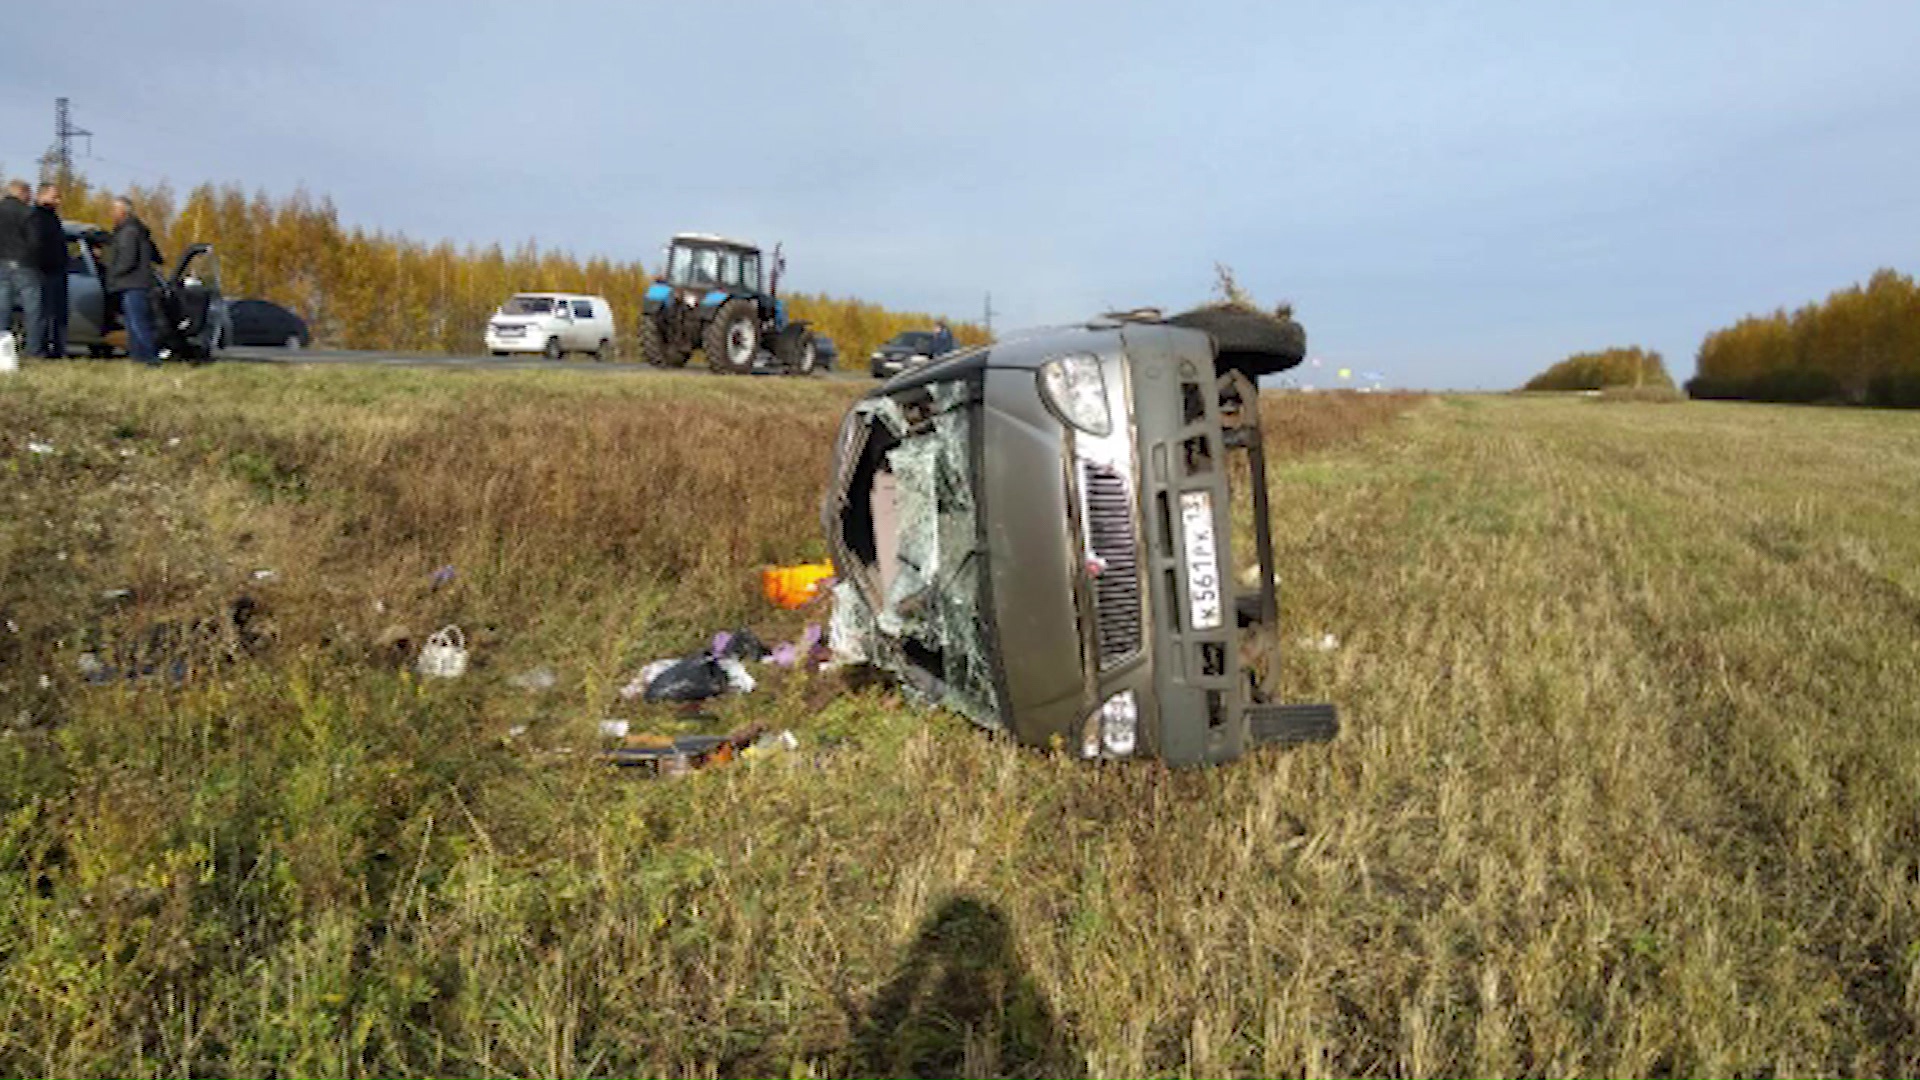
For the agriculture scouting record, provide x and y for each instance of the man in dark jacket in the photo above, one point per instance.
(19, 281)
(49, 244)
(130, 259)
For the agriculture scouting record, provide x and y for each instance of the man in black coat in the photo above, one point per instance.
(130, 279)
(48, 243)
(19, 281)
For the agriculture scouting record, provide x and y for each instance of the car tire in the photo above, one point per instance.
(732, 340)
(604, 351)
(294, 344)
(499, 352)
(100, 350)
(808, 361)
(1249, 341)
(553, 351)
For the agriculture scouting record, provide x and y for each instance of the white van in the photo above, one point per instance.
(552, 323)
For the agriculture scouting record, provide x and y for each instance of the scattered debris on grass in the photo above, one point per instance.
(670, 755)
(697, 677)
(795, 586)
(444, 656)
(534, 680)
(174, 649)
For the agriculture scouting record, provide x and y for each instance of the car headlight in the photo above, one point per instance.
(1114, 728)
(1077, 390)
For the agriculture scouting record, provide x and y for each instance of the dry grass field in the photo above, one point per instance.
(1629, 781)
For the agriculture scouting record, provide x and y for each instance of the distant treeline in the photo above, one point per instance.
(1629, 366)
(1859, 346)
(374, 290)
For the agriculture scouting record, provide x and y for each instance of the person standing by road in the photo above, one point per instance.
(130, 259)
(48, 240)
(19, 281)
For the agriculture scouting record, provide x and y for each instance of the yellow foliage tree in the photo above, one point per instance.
(371, 290)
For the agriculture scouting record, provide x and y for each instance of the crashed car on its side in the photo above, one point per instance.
(1036, 534)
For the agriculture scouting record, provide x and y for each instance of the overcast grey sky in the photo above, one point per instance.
(1454, 194)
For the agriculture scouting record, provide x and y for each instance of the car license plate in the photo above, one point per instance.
(1204, 597)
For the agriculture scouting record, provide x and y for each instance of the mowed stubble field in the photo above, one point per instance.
(1629, 781)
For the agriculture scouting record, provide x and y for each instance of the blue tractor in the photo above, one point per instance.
(713, 297)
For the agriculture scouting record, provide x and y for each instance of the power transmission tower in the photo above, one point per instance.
(56, 166)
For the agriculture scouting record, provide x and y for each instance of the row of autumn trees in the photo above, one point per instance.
(1861, 345)
(1629, 366)
(373, 290)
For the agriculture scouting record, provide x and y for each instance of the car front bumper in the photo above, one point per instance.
(497, 342)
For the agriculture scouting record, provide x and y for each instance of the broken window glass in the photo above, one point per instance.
(909, 515)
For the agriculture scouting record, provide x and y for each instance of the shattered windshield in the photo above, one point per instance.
(527, 305)
(911, 524)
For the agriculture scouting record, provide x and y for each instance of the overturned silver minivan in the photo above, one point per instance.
(1036, 534)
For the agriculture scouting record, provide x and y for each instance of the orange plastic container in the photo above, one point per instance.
(794, 586)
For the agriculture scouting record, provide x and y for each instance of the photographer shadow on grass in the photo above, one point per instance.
(961, 1004)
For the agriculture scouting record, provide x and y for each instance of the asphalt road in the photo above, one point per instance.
(486, 363)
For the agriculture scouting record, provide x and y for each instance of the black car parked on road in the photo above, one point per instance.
(263, 322)
(910, 348)
(825, 352)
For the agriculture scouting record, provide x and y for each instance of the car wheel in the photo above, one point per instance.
(809, 358)
(294, 344)
(604, 351)
(100, 350)
(553, 350)
(732, 341)
(499, 352)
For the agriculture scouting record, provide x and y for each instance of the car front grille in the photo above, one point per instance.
(1116, 590)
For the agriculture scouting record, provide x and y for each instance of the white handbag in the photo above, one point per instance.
(444, 656)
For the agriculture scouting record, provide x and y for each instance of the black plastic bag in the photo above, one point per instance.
(692, 678)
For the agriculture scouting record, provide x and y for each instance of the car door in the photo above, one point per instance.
(86, 299)
(563, 325)
(586, 328)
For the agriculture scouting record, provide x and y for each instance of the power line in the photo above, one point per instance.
(57, 164)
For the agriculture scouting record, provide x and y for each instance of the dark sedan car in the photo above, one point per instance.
(910, 348)
(262, 322)
(825, 352)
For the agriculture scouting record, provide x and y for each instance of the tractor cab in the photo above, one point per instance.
(697, 262)
(721, 297)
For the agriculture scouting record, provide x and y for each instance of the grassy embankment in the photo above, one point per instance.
(1630, 779)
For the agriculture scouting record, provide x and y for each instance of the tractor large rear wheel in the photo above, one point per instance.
(733, 338)
(654, 348)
